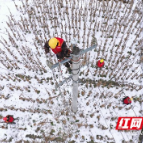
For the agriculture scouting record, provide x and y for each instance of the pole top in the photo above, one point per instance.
(75, 50)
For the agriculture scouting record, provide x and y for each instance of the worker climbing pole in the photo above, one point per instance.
(59, 47)
(71, 60)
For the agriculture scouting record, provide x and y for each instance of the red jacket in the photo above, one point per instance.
(11, 119)
(127, 100)
(100, 64)
(58, 49)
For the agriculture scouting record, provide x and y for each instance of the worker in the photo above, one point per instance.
(100, 63)
(8, 119)
(59, 47)
(127, 100)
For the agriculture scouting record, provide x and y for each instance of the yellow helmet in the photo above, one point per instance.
(131, 98)
(101, 61)
(53, 43)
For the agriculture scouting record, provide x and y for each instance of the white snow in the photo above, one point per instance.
(29, 84)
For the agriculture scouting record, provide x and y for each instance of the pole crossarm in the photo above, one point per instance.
(88, 49)
(68, 59)
(62, 82)
(62, 62)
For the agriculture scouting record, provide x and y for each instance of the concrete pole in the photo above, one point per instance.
(75, 74)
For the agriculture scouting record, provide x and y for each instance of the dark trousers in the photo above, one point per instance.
(67, 64)
(64, 53)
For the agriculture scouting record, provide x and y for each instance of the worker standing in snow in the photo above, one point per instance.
(8, 119)
(59, 47)
(100, 63)
(127, 100)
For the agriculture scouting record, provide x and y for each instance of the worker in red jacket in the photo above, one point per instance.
(59, 47)
(8, 119)
(100, 63)
(127, 100)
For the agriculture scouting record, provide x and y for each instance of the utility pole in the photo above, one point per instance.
(75, 58)
(75, 74)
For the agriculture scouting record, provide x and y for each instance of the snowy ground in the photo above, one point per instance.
(27, 88)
